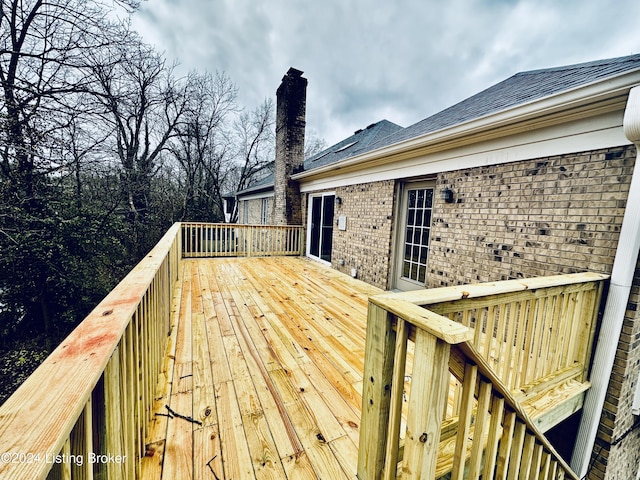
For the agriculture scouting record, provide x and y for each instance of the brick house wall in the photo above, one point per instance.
(366, 243)
(615, 455)
(541, 217)
(532, 218)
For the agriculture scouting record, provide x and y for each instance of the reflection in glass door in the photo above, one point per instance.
(321, 226)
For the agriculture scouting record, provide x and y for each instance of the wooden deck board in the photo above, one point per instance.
(264, 368)
(266, 363)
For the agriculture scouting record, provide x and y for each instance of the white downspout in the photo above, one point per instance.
(621, 279)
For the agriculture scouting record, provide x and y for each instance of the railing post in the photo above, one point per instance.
(301, 241)
(427, 401)
(376, 392)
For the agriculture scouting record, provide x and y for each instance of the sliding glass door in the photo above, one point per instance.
(320, 226)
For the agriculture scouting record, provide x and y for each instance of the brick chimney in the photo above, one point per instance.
(290, 122)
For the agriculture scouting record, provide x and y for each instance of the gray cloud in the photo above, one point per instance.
(373, 59)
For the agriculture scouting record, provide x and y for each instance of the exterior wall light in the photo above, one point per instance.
(338, 200)
(447, 195)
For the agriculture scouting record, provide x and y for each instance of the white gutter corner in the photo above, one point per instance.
(621, 280)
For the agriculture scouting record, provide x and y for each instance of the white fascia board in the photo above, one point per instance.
(556, 109)
(255, 196)
(603, 131)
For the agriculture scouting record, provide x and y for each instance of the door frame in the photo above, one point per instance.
(398, 281)
(310, 198)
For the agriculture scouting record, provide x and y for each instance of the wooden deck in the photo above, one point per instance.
(251, 367)
(263, 374)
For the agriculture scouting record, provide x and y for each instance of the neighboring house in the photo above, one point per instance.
(529, 177)
(255, 203)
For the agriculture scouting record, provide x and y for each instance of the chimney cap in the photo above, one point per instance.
(294, 72)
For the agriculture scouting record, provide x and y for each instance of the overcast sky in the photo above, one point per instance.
(368, 60)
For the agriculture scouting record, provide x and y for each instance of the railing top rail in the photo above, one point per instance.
(38, 417)
(240, 225)
(479, 290)
(437, 325)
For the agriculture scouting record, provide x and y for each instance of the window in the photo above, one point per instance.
(264, 212)
(416, 240)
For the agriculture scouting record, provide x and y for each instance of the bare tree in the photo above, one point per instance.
(201, 146)
(143, 106)
(313, 144)
(255, 137)
(44, 46)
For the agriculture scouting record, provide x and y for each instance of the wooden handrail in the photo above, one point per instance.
(458, 332)
(240, 240)
(101, 378)
(551, 320)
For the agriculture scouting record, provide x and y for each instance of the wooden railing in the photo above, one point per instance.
(237, 240)
(471, 368)
(85, 410)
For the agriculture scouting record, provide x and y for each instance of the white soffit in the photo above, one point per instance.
(602, 131)
(557, 116)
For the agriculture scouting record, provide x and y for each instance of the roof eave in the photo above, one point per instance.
(590, 99)
(255, 190)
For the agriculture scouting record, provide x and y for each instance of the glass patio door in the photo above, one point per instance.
(320, 227)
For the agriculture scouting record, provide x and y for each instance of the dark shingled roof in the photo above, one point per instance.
(519, 89)
(360, 142)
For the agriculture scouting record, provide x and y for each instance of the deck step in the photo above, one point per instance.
(547, 404)
(550, 407)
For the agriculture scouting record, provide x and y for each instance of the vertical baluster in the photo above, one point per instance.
(114, 420)
(540, 338)
(536, 464)
(527, 456)
(129, 393)
(546, 466)
(514, 332)
(576, 328)
(516, 450)
(506, 442)
(397, 395)
(495, 431)
(528, 329)
(81, 445)
(549, 336)
(489, 325)
(427, 401)
(464, 421)
(480, 429)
